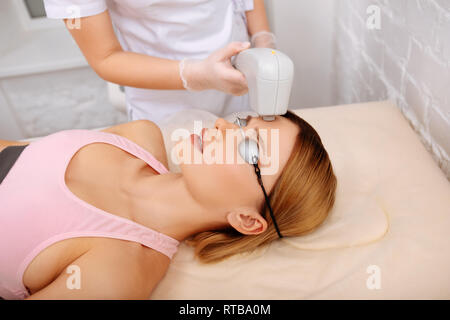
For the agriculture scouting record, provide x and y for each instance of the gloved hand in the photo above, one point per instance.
(263, 39)
(215, 72)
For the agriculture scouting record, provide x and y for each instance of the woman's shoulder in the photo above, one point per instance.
(134, 127)
(146, 134)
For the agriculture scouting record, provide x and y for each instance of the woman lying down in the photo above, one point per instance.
(97, 215)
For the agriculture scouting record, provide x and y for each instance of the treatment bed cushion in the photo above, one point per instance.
(356, 208)
(392, 215)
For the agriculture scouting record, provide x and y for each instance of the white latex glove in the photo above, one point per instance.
(263, 39)
(215, 72)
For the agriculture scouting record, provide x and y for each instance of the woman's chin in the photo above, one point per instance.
(188, 152)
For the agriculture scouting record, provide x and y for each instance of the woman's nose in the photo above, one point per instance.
(222, 124)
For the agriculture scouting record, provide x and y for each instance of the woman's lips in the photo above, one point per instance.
(203, 134)
(197, 142)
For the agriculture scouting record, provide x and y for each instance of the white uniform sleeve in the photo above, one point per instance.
(248, 5)
(61, 9)
(243, 5)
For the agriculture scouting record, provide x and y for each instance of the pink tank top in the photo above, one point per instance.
(37, 209)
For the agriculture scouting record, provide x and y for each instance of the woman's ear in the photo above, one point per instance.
(247, 221)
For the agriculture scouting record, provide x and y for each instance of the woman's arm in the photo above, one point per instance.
(7, 143)
(257, 18)
(102, 50)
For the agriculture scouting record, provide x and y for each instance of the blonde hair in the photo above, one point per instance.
(301, 199)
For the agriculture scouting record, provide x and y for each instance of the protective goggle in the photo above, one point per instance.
(249, 151)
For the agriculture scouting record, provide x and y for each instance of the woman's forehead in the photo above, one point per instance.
(260, 122)
(285, 127)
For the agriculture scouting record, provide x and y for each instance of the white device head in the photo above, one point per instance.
(269, 75)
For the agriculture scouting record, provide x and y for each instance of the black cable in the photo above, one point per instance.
(258, 174)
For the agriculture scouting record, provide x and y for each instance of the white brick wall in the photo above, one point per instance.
(43, 103)
(304, 31)
(407, 61)
(45, 84)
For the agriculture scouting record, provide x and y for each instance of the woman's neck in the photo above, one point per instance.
(163, 203)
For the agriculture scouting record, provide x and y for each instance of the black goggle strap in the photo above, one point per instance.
(258, 174)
